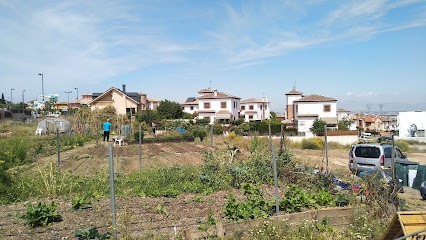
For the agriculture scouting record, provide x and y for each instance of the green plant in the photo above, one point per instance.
(254, 206)
(313, 143)
(295, 200)
(91, 233)
(41, 214)
(161, 209)
(136, 135)
(80, 202)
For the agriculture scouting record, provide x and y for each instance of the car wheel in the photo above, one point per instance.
(423, 195)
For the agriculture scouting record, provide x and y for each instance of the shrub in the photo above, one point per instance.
(41, 214)
(136, 135)
(313, 143)
(91, 233)
(198, 132)
(79, 202)
(217, 129)
(403, 145)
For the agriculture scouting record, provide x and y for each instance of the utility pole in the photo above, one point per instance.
(369, 108)
(23, 101)
(68, 105)
(381, 106)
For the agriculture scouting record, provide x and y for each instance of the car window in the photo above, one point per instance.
(388, 152)
(367, 152)
(398, 153)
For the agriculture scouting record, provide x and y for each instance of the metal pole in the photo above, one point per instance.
(326, 149)
(77, 93)
(140, 150)
(11, 98)
(23, 101)
(269, 134)
(112, 193)
(42, 86)
(58, 146)
(277, 201)
(211, 136)
(68, 103)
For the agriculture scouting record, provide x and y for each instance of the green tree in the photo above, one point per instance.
(318, 127)
(273, 114)
(170, 110)
(344, 124)
(148, 116)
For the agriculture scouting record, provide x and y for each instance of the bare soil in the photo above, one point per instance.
(140, 216)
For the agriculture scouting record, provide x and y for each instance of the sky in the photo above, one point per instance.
(364, 53)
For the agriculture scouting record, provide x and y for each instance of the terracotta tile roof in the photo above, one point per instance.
(190, 103)
(206, 90)
(255, 100)
(152, 99)
(316, 98)
(368, 119)
(223, 112)
(217, 95)
(307, 115)
(294, 92)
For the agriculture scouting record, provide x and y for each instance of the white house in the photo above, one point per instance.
(218, 106)
(346, 114)
(302, 111)
(190, 105)
(255, 109)
(412, 124)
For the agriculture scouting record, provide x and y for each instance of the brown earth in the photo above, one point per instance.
(149, 217)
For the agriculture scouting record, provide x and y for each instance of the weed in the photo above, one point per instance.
(91, 233)
(41, 214)
(79, 202)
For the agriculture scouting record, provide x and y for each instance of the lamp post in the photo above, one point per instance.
(77, 93)
(23, 101)
(42, 86)
(11, 98)
(68, 108)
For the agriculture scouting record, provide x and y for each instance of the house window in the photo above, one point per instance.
(260, 107)
(266, 107)
(301, 123)
(251, 107)
(192, 108)
(327, 108)
(243, 107)
(206, 105)
(235, 104)
(223, 104)
(250, 117)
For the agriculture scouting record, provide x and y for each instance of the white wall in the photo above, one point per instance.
(215, 104)
(304, 124)
(258, 115)
(405, 119)
(317, 108)
(292, 98)
(187, 108)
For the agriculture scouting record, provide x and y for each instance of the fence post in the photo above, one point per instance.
(277, 202)
(269, 134)
(140, 150)
(211, 135)
(112, 193)
(326, 149)
(58, 146)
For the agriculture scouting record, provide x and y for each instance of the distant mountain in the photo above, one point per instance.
(362, 106)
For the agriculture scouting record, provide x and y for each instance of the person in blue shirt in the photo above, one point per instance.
(107, 129)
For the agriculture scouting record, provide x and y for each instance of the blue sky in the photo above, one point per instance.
(359, 52)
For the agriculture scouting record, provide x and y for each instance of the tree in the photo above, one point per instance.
(148, 116)
(318, 127)
(170, 110)
(344, 124)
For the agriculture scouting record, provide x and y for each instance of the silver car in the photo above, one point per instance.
(373, 156)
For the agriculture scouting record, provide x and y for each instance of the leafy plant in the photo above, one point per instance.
(295, 200)
(80, 202)
(254, 206)
(41, 214)
(161, 209)
(91, 233)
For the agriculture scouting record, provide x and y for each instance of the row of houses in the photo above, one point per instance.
(301, 110)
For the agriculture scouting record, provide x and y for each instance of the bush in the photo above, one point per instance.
(403, 145)
(217, 129)
(136, 135)
(313, 143)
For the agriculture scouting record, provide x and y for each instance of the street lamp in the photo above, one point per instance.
(11, 98)
(77, 93)
(42, 86)
(68, 108)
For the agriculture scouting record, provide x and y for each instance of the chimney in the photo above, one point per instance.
(124, 88)
(215, 93)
